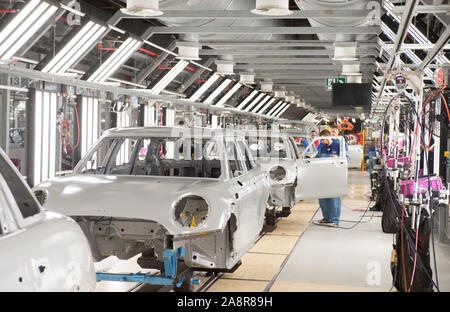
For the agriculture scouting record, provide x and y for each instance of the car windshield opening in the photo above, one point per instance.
(155, 156)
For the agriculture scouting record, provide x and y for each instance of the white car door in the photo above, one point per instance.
(322, 177)
(244, 187)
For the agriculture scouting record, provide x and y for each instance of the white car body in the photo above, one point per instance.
(40, 250)
(356, 155)
(126, 214)
(306, 177)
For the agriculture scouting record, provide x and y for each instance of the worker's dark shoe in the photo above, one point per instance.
(323, 221)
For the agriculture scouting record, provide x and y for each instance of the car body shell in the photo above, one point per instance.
(45, 251)
(241, 199)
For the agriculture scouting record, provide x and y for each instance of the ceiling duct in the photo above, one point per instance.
(225, 65)
(266, 86)
(247, 78)
(290, 97)
(219, 5)
(280, 93)
(188, 47)
(349, 5)
(345, 51)
(272, 7)
(188, 51)
(351, 69)
(142, 8)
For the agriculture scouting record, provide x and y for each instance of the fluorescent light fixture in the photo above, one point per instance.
(275, 108)
(216, 92)
(414, 32)
(24, 26)
(149, 115)
(248, 99)
(74, 49)
(160, 48)
(282, 111)
(205, 87)
(37, 138)
(123, 121)
(255, 101)
(44, 162)
(169, 77)
(229, 94)
(127, 82)
(89, 123)
(117, 29)
(267, 106)
(120, 56)
(279, 109)
(409, 53)
(264, 101)
(76, 12)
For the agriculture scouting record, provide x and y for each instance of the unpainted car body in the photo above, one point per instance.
(306, 177)
(40, 250)
(207, 195)
(356, 155)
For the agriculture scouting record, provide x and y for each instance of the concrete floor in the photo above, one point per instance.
(358, 259)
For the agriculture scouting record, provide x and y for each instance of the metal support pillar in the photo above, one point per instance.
(4, 113)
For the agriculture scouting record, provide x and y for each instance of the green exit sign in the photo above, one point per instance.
(330, 81)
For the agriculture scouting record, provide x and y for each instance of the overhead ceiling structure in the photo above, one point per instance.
(259, 58)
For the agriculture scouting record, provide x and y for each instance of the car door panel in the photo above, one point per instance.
(322, 177)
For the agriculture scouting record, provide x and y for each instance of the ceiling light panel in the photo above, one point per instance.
(75, 48)
(115, 60)
(205, 87)
(282, 111)
(255, 101)
(169, 77)
(216, 92)
(248, 99)
(267, 106)
(257, 107)
(30, 19)
(275, 108)
(279, 110)
(229, 94)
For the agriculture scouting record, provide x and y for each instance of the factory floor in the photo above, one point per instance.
(300, 256)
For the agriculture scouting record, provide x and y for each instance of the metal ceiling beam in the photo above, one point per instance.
(296, 60)
(241, 14)
(196, 75)
(363, 30)
(416, 46)
(144, 93)
(296, 52)
(281, 43)
(147, 71)
(443, 39)
(422, 9)
(408, 14)
(301, 67)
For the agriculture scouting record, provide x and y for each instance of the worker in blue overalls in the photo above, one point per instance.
(331, 207)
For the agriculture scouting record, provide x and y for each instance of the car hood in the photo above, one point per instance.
(133, 197)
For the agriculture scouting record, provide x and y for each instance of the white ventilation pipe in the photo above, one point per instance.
(266, 86)
(339, 22)
(142, 8)
(272, 7)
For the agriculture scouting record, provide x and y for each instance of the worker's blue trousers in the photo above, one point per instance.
(331, 209)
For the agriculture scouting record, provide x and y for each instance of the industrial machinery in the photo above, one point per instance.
(409, 185)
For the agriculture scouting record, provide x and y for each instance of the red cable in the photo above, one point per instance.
(78, 126)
